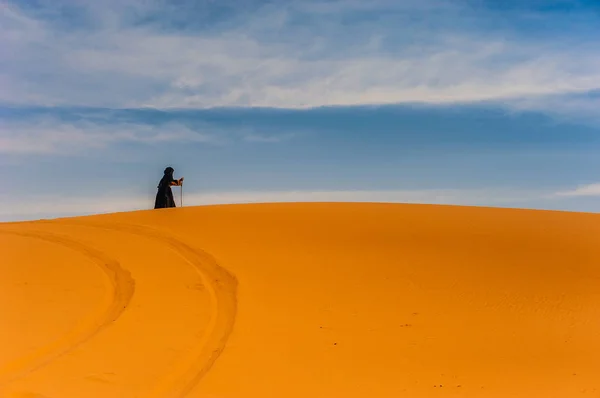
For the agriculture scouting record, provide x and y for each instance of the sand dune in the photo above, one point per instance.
(302, 300)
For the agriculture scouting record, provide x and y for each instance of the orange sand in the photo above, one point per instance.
(302, 300)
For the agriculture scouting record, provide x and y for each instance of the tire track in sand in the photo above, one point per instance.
(222, 289)
(121, 284)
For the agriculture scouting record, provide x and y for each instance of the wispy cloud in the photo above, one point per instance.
(581, 107)
(51, 135)
(268, 138)
(46, 134)
(291, 54)
(585, 190)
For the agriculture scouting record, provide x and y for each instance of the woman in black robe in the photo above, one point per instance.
(164, 196)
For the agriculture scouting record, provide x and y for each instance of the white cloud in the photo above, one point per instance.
(576, 108)
(270, 59)
(585, 190)
(50, 135)
(268, 138)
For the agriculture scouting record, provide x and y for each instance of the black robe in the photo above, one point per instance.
(164, 196)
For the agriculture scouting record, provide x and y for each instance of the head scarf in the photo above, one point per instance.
(167, 178)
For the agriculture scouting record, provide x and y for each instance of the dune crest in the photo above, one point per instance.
(299, 299)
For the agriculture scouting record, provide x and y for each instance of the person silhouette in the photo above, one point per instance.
(164, 196)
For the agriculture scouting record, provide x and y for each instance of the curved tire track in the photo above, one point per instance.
(222, 289)
(122, 286)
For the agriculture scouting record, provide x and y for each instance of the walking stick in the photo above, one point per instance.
(181, 194)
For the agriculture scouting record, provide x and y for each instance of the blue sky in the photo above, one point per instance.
(473, 102)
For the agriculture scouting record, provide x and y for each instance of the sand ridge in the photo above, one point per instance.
(324, 300)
